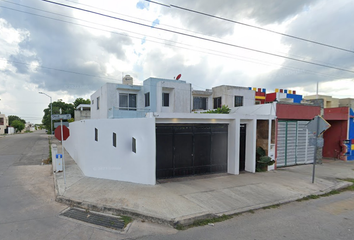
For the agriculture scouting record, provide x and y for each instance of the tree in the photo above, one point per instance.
(18, 125)
(79, 101)
(67, 108)
(13, 118)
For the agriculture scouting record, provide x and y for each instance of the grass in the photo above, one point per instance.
(333, 192)
(49, 159)
(204, 222)
(126, 220)
(272, 206)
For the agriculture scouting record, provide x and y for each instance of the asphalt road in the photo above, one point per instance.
(28, 209)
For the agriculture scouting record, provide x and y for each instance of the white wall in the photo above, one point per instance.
(101, 160)
(180, 96)
(228, 93)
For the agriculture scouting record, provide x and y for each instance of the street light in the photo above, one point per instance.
(51, 112)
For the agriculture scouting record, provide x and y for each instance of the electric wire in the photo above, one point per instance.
(249, 25)
(201, 38)
(223, 54)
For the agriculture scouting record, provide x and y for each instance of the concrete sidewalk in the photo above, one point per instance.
(182, 201)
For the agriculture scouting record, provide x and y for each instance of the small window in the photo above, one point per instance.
(217, 102)
(93, 101)
(238, 101)
(114, 140)
(165, 99)
(98, 103)
(134, 145)
(147, 99)
(96, 134)
(199, 103)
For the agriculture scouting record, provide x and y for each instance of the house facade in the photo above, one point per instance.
(3, 123)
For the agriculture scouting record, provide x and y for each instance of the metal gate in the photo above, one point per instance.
(293, 144)
(190, 149)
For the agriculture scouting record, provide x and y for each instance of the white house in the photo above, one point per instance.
(83, 111)
(143, 133)
(3, 123)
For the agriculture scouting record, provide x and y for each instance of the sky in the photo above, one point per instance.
(70, 50)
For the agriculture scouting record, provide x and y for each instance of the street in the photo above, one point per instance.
(28, 209)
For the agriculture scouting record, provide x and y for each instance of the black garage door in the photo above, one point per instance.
(183, 150)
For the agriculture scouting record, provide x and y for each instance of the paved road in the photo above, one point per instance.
(28, 209)
(27, 206)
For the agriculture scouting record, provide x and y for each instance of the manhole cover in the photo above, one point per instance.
(94, 218)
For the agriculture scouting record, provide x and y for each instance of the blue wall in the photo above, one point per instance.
(351, 133)
(297, 98)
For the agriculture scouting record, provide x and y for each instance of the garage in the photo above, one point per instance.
(191, 149)
(293, 144)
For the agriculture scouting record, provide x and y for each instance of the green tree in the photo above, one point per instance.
(67, 108)
(18, 125)
(79, 101)
(13, 118)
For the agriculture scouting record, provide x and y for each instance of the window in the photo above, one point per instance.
(238, 101)
(98, 103)
(114, 139)
(147, 99)
(133, 145)
(93, 101)
(200, 103)
(2, 121)
(165, 99)
(96, 134)
(217, 102)
(127, 101)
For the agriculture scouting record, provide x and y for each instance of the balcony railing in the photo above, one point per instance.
(127, 113)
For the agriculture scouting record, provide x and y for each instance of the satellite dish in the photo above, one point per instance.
(178, 76)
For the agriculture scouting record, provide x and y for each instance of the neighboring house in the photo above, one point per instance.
(132, 101)
(339, 138)
(83, 111)
(29, 127)
(232, 96)
(328, 101)
(292, 136)
(3, 123)
(284, 95)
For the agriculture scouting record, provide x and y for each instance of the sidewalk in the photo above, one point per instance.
(183, 201)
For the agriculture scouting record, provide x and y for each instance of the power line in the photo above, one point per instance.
(207, 51)
(201, 38)
(249, 25)
(222, 54)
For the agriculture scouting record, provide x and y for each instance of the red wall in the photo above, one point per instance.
(270, 97)
(339, 113)
(333, 136)
(297, 112)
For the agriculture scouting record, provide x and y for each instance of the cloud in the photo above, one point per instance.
(61, 46)
(262, 12)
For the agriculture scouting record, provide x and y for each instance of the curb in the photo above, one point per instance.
(185, 220)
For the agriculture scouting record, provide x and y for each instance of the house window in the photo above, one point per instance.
(127, 101)
(114, 139)
(2, 121)
(96, 134)
(147, 99)
(165, 99)
(217, 102)
(200, 103)
(98, 103)
(238, 101)
(133, 145)
(93, 101)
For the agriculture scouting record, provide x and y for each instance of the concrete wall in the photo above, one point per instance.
(82, 114)
(3, 123)
(329, 102)
(101, 159)
(228, 93)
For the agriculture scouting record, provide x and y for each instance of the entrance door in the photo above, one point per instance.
(242, 156)
(190, 149)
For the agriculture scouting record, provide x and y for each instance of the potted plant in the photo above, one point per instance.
(262, 160)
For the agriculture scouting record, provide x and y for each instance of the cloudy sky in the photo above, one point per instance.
(70, 51)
